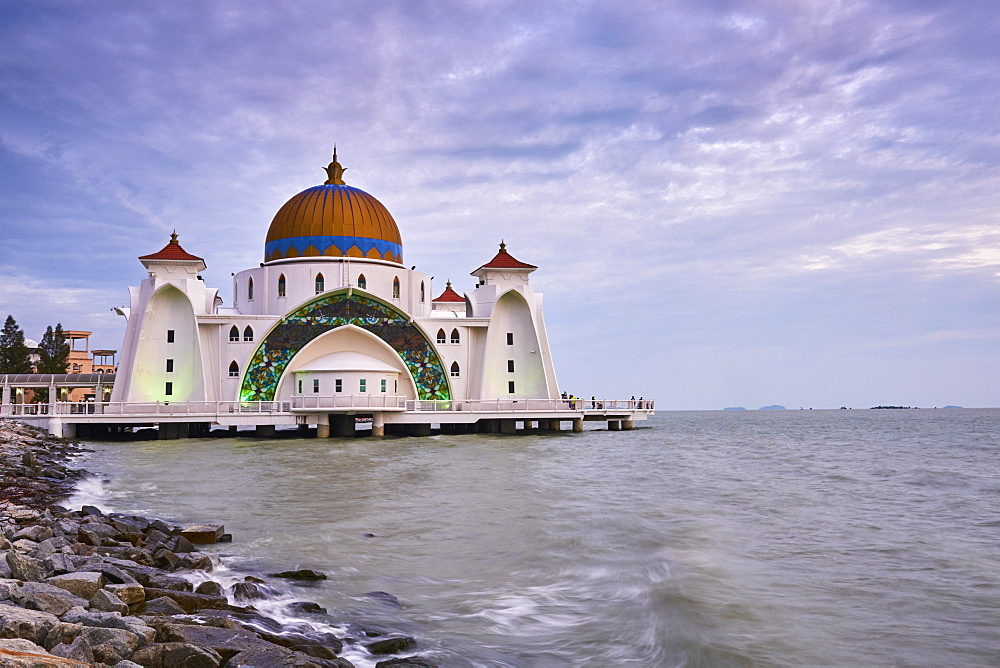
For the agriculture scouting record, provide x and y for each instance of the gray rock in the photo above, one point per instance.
(127, 664)
(8, 588)
(190, 602)
(124, 642)
(25, 568)
(407, 662)
(31, 625)
(301, 574)
(391, 645)
(211, 588)
(247, 591)
(130, 594)
(81, 583)
(146, 634)
(183, 545)
(203, 534)
(170, 654)
(62, 633)
(58, 564)
(106, 653)
(164, 605)
(47, 598)
(77, 649)
(37, 533)
(106, 601)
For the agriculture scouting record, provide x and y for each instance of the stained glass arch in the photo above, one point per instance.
(329, 311)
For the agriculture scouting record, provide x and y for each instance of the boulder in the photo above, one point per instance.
(227, 642)
(83, 584)
(107, 602)
(123, 642)
(31, 625)
(20, 653)
(211, 588)
(275, 657)
(106, 653)
(8, 588)
(25, 568)
(391, 645)
(406, 662)
(58, 564)
(130, 594)
(163, 605)
(189, 601)
(37, 533)
(385, 597)
(77, 649)
(301, 574)
(203, 534)
(47, 598)
(307, 607)
(170, 654)
(247, 591)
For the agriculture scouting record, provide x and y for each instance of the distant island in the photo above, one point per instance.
(898, 408)
(772, 407)
(734, 408)
(953, 406)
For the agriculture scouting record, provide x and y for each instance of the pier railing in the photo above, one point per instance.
(339, 402)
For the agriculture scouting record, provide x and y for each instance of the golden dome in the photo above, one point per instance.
(333, 220)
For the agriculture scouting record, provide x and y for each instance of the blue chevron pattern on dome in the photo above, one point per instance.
(323, 244)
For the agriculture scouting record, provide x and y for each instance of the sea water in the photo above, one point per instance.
(699, 539)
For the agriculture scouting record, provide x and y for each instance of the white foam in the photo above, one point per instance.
(91, 492)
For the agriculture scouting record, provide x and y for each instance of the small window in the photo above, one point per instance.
(170, 336)
(362, 282)
(363, 385)
(338, 385)
(441, 337)
(300, 386)
(383, 384)
(170, 365)
(454, 336)
(422, 292)
(248, 334)
(281, 285)
(510, 366)
(510, 386)
(455, 371)
(234, 335)
(169, 389)
(315, 385)
(234, 370)
(395, 287)
(510, 338)
(250, 289)
(319, 283)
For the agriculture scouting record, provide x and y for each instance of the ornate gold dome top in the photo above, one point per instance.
(333, 220)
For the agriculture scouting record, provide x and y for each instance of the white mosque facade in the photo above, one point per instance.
(333, 317)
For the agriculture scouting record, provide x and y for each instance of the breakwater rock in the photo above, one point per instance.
(81, 588)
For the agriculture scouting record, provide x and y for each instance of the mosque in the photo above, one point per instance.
(333, 318)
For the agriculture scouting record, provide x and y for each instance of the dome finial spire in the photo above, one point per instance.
(335, 171)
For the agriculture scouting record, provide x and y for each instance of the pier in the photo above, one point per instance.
(332, 415)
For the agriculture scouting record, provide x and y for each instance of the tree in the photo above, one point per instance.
(53, 351)
(14, 354)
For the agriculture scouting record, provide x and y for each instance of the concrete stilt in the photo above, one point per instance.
(578, 424)
(555, 425)
(614, 425)
(627, 425)
(508, 426)
(378, 424)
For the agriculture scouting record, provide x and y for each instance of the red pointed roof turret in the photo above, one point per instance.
(504, 260)
(172, 251)
(449, 295)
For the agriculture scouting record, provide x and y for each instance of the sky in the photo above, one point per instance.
(730, 202)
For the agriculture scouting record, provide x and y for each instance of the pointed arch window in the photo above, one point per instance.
(248, 334)
(455, 371)
(441, 338)
(281, 285)
(421, 292)
(234, 335)
(395, 287)
(234, 369)
(455, 338)
(320, 283)
(250, 289)
(362, 282)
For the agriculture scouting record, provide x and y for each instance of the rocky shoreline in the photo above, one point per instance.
(81, 588)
